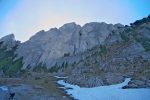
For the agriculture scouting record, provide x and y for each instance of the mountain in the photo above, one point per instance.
(93, 55)
(70, 39)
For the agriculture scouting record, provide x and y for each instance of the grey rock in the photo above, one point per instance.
(84, 81)
(48, 47)
(119, 25)
(114, 78)
(9, 41)
(134, 48)
(112, 38)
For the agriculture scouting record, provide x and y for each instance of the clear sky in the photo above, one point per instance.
(26, 17)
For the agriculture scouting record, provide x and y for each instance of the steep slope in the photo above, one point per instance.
(70, 39)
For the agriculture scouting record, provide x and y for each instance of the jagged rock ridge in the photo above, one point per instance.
(70, 39)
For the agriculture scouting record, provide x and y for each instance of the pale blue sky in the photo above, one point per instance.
(26, 17)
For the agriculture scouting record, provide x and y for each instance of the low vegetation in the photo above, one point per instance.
(144, 41)
(103, 49)
(57, 68)
(7, 63)
(66, 54)
(124, 37)
(40, 68)
(142, 21)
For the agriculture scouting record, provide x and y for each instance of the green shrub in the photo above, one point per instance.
(146, 45)
(124, 37)
(54, 68)
(66, 54)
(7, 63)
(142, 21)
(64, 65)
(103, 49)
(14, 68)
(37, 78)
(145, 42)
(46, 81)
(1, 44)
(40, 68)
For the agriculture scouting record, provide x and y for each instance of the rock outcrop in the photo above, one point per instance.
(48, 46)
(8, 42)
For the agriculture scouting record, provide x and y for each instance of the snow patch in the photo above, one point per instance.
(60, 77)
(4, 88)
(111, 92)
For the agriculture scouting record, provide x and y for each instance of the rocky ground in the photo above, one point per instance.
(33, 87)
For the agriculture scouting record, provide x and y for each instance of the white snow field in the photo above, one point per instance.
(111, 92)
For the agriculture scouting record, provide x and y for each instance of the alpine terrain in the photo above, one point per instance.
(92, 55)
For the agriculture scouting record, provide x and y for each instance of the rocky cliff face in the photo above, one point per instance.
(70, 39)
